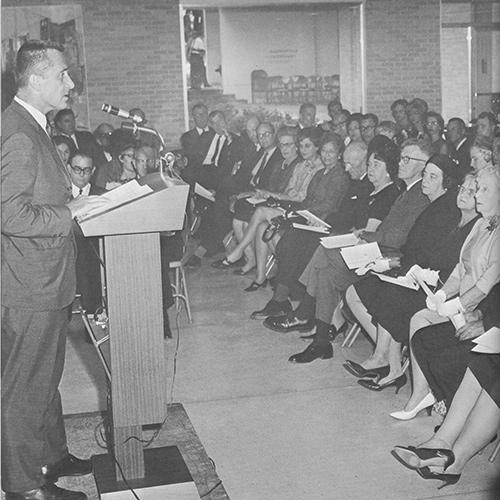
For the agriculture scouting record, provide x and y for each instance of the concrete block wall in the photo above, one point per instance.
(133, 59)
(402, 53)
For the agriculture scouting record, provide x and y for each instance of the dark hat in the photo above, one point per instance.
(447, 165)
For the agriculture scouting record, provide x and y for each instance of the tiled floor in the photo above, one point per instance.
(277, 430)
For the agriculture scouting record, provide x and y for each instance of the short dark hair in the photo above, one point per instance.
(215, 113)
(371, 116)
(63, 139)
(287, 131)
(355, 117)
(31, 57)
(335, 102)
(459, 121)
(81, 154)
(387, 151)
(62, 113)
(335, 139)
(199, 105)
(489, 116)
(399, 102)
(306, 105)
(267, 124)
(314, 134)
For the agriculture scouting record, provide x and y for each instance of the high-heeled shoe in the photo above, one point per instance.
(255, 286)
(372, 385)
(426, 404)
(416, 458)
(359, 371)
(447, 478)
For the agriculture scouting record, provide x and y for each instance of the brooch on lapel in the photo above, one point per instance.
(493, 223)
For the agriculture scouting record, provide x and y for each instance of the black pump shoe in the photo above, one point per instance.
(313, 351)
(448, 479)
(398, 382)
(358, 371)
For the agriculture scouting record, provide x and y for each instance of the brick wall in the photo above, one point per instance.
(402, 53)
(133, 59)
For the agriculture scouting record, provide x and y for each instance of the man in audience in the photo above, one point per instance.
(84, 141)
(88, 275)
(339, 125)
(334, 109)
(195, 142)
(369, 123)
(102, 134)
(417, 111)
(296, 247)
(398, 111)
(326, 276)
(486, 125)
(307, 115)
(459, 144)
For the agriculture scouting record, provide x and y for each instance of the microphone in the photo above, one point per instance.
(141, 128)
(113, 110)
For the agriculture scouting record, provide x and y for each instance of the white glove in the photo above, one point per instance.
(381, 266)
(436, 300)
(450, 308)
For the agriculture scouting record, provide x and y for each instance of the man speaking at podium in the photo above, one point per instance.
(38, 281)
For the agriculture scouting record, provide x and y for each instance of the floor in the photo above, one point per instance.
(276, 430)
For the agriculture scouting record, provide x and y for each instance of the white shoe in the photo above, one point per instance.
(427, 403)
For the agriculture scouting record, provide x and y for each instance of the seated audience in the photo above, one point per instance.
(307, 115)
(434, 242)
(400, 115)
(388, 129)
(195, 142)
(88, 270)
(326, 277)
(102, 134)
(441, 353)
(296, 192)
(434, 125)
(417, 110)
(486, 125)
(362, 203)
(481, 153)
(65, 124)
(121, 168)
(354, 127)
(478, 269)
(471, 424)
(368, 125)
(65, 147)
(458, 143)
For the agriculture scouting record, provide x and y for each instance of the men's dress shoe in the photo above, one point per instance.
(288, 323)
(332, 334)
(272, 308)
(313, 351)
(67, 466)
(48, 491)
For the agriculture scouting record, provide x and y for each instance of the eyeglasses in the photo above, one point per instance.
(468, 191)
(286, 144)
(406, 159)
(265, 134)
(82, 171)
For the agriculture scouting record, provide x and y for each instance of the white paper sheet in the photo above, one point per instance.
(404, 281)
(203, 192)
(488, 342)
(339, 241)
(312, 220)
(314, 229)
(360, 255)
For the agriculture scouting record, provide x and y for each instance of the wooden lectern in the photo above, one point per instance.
(134, 303)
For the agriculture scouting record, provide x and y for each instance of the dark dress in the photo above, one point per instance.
(433, 242)
(443, 358)
(486, 369)
(296, 247)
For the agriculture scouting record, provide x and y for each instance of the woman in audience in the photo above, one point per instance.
(390, 307)
(326, 277)
(296, 191)
(471, 423)
(324, 193)
(354, 127)
(435, 128)
(481, 153)
(65, 147)
(472, 278)
(278, 181)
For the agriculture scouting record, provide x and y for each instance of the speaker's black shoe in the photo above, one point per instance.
(67, 466)
(48, 491)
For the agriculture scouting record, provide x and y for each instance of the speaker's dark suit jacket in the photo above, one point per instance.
(38, 282)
